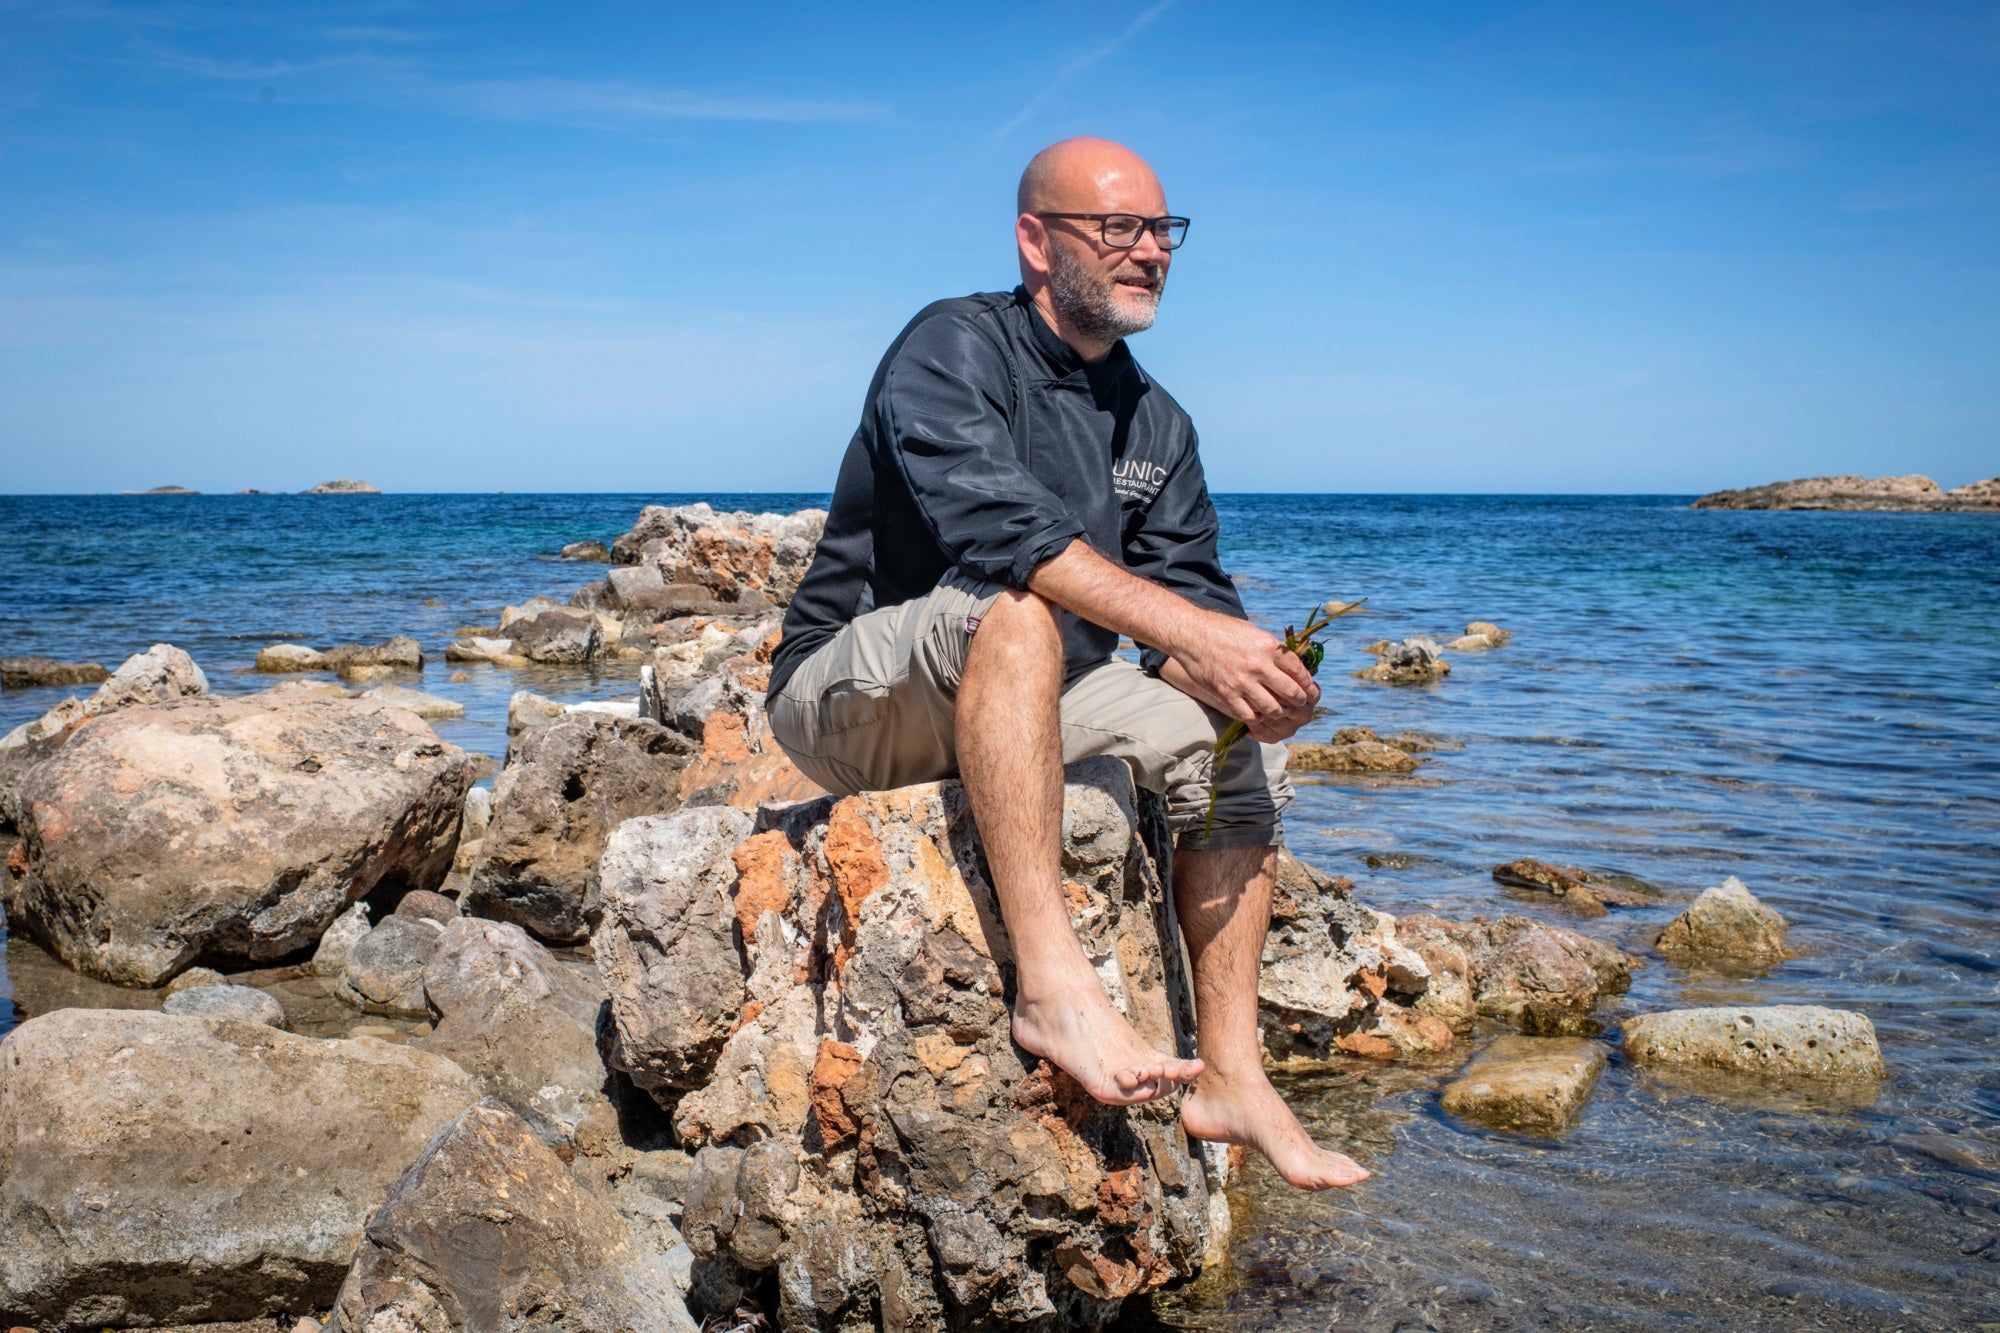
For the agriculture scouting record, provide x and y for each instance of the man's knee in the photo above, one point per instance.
(1019, 624)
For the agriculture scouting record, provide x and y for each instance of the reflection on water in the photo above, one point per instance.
(1810, 702)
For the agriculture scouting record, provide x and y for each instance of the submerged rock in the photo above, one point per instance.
(1578, 890)
(20, 673)
(157, 1169)
(571, 783)
(592, 551)
(401, 653)
(1726, 924)
(868, 1128)
(1782, 1040)
(1530, 1085)
(226, 829)
(1356, 757)
(488, 1231)
(1536, 976)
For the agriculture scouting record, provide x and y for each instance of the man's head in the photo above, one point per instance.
(1097, 292)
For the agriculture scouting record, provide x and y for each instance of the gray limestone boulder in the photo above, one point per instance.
(157, 1169)
(522, 1023)
(227, 829)
(1779, 1040)
(1726, 924)
(243, 1004)
(488, 1231)
(667, 944)
(572, 782)
(732, 555)
(384, 970)
(560, 638)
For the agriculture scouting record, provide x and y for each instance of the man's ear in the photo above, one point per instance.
(1031, 234)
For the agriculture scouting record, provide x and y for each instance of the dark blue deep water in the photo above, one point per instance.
(1810, 702)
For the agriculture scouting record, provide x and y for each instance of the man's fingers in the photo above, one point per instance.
(1280, 683)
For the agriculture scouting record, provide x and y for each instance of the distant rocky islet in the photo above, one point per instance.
(1910, 494)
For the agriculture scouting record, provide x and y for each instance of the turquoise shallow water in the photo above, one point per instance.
(1810, 702)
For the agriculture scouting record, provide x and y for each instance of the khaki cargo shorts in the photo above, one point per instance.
(873, 709)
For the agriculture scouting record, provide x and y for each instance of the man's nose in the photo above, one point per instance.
(1148, 248)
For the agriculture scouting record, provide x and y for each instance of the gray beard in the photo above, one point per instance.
(1084, 298)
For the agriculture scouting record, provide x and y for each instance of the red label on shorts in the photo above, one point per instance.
(971, 624)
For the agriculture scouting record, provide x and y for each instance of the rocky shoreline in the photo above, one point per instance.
(1911, 494)
(653, 1031)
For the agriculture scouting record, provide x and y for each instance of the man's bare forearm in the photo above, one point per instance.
(1080, 580)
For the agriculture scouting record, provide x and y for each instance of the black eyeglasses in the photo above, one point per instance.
(1122, 231)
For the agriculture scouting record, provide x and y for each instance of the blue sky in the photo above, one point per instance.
(1552, 247)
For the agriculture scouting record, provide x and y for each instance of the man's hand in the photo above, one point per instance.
(1247, 674)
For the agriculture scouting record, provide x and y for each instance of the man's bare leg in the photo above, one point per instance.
(1010, 755)
(1224, 901)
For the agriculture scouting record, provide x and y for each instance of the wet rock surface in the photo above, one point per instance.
(1778, 1041)
(867, 1127)
(1368, 756)
(163, 1170)
(1726, 924)
(573, 781)
(1540, 978)
(488, 1230)
(1580, 891)
(1528, 1085)
(236, 829)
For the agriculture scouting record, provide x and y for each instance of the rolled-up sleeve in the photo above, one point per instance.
(945, 430)
(1175, 547)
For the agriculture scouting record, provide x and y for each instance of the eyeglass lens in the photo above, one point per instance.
(1122, 229)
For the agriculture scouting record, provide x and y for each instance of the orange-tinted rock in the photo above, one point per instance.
(853, 858)
(836, 1064)
(763, 880)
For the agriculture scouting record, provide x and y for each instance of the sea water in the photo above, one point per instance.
(1809, 702)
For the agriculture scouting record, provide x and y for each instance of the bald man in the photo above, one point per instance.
(1019, 494)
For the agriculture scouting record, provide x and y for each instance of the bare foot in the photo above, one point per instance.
(1081, 1034)
(1253, 1114)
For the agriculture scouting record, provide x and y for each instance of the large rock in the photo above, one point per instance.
(20, 673)
(1726, 924)
(1529, 1085)
(384, 970)
(488, 1232)
(590, 552)
(731, 554)
(520, 1022)
(1779, 1040)
(1335, 979)
(1358, 757)
(1853, 492)
(558, 638)
(160, 674)
(1541, 978)
(227, 829)
(166, 1170)
(868, 1128)
(572, 782)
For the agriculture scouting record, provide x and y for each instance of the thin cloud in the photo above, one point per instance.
(1079, 64)
(597, 105)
